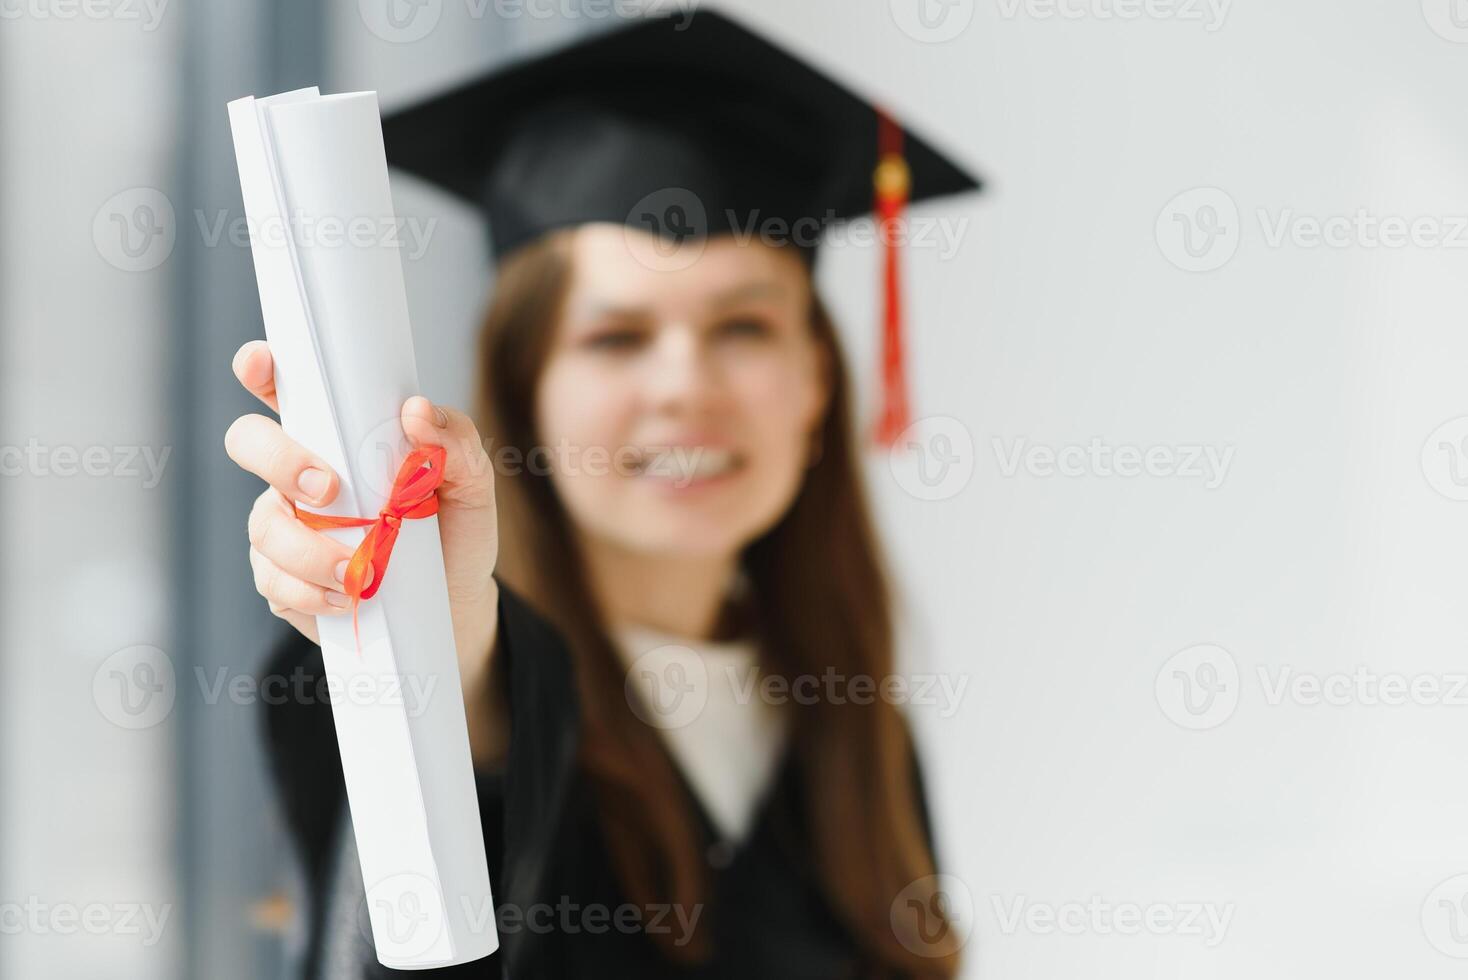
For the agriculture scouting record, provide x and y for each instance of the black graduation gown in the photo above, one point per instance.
(547, 861)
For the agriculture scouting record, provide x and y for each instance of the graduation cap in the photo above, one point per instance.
(688, 125)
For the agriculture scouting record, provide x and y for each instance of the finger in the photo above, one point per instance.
(296, 549)
(259, 445)
(255, 368)
(282, 589)
(468, 479)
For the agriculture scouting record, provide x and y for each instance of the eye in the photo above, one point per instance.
(615, 339)
(743, 326)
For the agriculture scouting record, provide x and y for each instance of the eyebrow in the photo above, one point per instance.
(729, 297)
(608, 311)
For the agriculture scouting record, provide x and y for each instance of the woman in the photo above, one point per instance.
(654, 509)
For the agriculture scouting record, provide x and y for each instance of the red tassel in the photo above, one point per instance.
(892, 183)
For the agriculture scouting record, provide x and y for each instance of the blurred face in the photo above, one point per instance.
(679, 406)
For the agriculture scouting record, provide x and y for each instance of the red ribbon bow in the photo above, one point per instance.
(413, 495)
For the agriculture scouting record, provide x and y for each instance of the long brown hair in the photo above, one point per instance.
(821, 603)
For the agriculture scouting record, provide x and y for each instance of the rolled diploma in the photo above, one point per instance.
(312, 169)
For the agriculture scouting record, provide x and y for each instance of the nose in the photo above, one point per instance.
(681, 376)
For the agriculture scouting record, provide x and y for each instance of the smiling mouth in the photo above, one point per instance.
(682, 466)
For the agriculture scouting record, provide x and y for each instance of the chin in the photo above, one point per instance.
(703, 538)
(715, 519)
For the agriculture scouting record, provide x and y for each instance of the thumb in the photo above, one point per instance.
(468, 479)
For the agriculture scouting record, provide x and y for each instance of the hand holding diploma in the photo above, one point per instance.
(360, 462)
(300, 571)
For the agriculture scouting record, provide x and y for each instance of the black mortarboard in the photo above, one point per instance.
(688, 124)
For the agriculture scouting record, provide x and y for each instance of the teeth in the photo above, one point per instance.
(710, 462)
(688, 463)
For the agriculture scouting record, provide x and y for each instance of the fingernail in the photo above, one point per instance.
(313, 483)
(337, 599)
(440, 417)
(341, 574)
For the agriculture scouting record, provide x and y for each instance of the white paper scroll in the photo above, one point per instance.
(324, 239)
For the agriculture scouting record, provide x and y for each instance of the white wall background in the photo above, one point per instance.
(1326, 547)
(87, 814)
